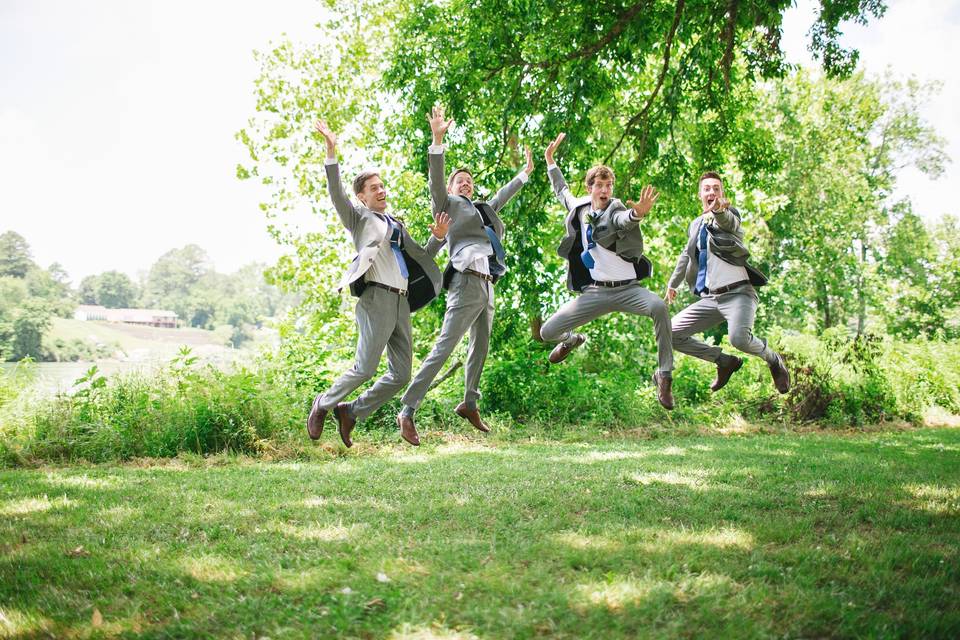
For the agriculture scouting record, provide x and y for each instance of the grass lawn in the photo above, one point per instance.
(815, 535)
(130, 337)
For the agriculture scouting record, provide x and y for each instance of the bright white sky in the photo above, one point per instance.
(117, 119)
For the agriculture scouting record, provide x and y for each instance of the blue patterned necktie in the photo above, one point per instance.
(702, 273)
(586, 256)
(395, 245)
(495, 243)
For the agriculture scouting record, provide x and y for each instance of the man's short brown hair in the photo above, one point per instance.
(454, 175)
(361, 180)
(709, 174)
(601, 172)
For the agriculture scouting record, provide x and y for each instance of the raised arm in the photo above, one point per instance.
(726, 217)
(510, 189)
(630, 217)
(341, 200)
(560, 188)
(438, 234)
(438, 180)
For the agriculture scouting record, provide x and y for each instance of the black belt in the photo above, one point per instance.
(613, 283)
(399, 292)
(482, 276)
(728, 287)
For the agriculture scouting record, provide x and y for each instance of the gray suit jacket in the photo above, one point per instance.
(725, 239)
(615, 230)
(367, 229)
(466, 224)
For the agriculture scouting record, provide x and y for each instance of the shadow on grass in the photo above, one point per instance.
(745, 537)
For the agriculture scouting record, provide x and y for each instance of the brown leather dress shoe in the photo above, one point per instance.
(345, 422)
(472, 416)
(407, 430)
(724, 371)
(664, 390)
(781, 377)
(315, 419)
(562, 350)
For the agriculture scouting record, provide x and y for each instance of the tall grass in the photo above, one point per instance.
(189, 407)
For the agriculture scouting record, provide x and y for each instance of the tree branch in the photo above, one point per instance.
(656, 90)
(449, 372)
(730, 32)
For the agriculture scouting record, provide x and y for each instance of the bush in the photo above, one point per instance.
(184, 407)
(838, 380)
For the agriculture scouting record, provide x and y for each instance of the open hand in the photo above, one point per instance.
(438, 124)
(670, 296)
(440, 226)
(529, 168)
(548, 154)
(719, 204)
(648, 196)
(328, 135)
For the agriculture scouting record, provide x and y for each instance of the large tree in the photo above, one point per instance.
(15, 258)
(115, 290)
(659, 90)
(842, 142)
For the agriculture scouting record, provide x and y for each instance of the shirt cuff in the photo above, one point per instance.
(329, 161)
(523, 177)
(551, 166)
(436, 148)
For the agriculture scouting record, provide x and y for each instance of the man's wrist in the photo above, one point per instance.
(551, 165)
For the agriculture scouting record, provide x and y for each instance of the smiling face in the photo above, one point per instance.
(711, 190)
(373, 194)
(460, 184)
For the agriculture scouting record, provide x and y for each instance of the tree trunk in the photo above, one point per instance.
(861, 290)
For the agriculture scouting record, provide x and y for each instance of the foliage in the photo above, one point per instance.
(184, 407)
(16, 260)
(692, 86)
(841, 380)
(111, 289)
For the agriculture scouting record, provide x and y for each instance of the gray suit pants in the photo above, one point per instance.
(738, 308)
(383, 320)
(469, 308)
(597, 301)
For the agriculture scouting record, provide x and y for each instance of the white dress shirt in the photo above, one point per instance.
(720, 273)
(478, 256)
(385, 268)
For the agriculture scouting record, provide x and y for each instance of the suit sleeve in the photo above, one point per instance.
(560, 188)
(676, 279)
(341, 201)
(505, 193)
(433, 246)
(728, 220)
(438, 184)
(683, 260)
(623, 220)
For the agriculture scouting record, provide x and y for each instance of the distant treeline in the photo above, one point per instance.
(181, 280)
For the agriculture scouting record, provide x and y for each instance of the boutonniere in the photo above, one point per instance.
(592, 218)
(708, 218)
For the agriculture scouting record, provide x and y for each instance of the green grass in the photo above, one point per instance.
(796, 535)
(131, 337)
